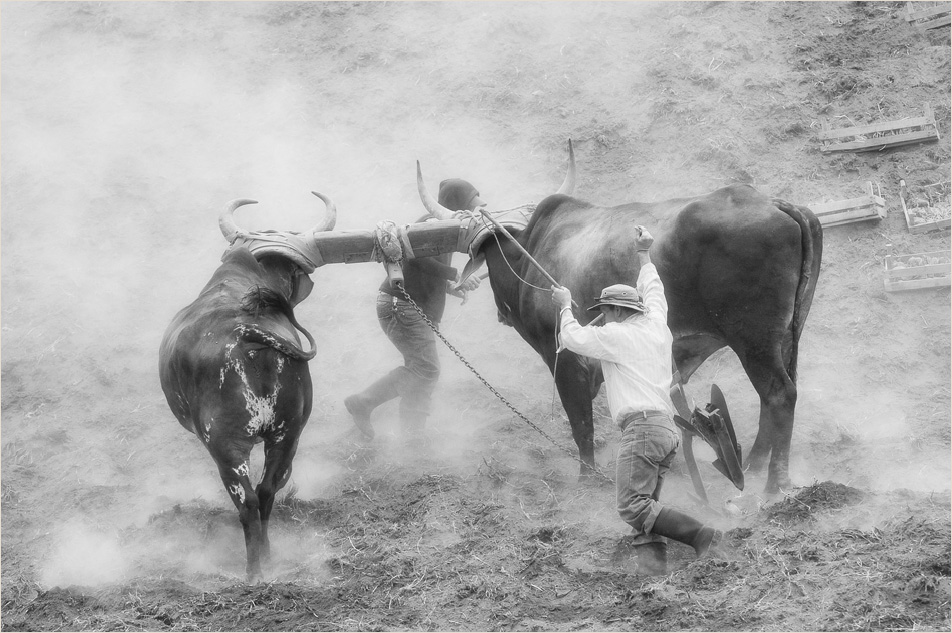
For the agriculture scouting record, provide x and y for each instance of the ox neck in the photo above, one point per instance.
(504, 263)
(280, 272)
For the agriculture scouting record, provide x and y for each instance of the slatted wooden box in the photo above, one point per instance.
(931, 212)
(924, 15)
(868, 207)
(874, 137)
(917, 271)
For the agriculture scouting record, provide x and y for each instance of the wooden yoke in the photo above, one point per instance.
(423, 239)
(387, 243)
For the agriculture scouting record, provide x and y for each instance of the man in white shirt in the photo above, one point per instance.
(634, 347)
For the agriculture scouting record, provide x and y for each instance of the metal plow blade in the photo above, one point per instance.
(713, 425)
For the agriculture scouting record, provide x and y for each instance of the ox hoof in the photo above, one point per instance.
(255, 578)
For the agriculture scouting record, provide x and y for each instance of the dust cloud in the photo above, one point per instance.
(84, 556)
(128, 126)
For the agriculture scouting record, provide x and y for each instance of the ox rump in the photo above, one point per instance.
(234, 373)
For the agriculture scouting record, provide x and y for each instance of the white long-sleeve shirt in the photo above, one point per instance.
(635, 354)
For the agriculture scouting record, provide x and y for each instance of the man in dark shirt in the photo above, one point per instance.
(427, 280)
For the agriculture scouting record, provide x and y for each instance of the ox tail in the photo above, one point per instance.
(260, 300)
(811, 241)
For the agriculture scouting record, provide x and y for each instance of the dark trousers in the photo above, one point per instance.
(415, 381)
(644, 457)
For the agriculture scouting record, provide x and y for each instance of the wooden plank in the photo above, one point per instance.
(920, 227)
(855, 215)
(836, 212)
(909, 11)
(883, 142)
(892, 258)
(930, 275)
(888, 138)
(879, 148)
(873, 128)
(936, 23)
(920, 271)
(925, 227)
(840, 205)
(913, 14)
(917, 284)
(926, 13)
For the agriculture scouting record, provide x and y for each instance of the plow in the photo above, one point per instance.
(712, 423)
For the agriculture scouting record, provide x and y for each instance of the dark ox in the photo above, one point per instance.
(739, 269)
(234, 374)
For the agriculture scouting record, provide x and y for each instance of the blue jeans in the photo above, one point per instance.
(415, 381)
(644, 457)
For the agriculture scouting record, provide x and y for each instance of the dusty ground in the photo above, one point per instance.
(126, 126)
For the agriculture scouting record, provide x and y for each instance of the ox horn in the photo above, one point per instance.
(330, 216)
(226, 220)
(433, 207)
(568, 185)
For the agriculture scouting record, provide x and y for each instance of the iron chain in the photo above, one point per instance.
(501, 397)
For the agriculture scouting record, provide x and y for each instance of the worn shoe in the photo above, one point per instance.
(361, 414)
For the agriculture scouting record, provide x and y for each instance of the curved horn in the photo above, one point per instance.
(568, 185)
(330, 215)
(226, 219)
(433, 207)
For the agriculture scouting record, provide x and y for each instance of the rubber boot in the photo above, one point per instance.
(685, 529)
(415, 409)
(652, 558)
(361, 405)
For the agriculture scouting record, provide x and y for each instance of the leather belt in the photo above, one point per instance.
(640, 415)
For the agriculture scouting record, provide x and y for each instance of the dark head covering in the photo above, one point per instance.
(457, 194)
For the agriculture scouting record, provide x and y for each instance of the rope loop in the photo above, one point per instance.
(387, 242)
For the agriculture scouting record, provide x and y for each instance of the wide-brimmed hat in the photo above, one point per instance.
(620, 295)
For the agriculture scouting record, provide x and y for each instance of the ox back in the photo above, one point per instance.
(739, 270)
(233, 373)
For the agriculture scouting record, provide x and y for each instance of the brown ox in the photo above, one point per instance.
(739, 270)
(234, 374)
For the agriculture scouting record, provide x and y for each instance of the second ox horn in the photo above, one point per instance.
(231, 230)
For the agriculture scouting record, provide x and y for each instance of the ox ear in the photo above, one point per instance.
(302, 288)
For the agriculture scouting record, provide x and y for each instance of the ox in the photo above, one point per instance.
(234, 373)
(739, 270)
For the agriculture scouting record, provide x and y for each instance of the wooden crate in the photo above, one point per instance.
(868, 207)
(938, 206)
(928, 16)
(878, 136)
(920, 270)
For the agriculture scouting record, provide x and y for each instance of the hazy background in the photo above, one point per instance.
(127, 126)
